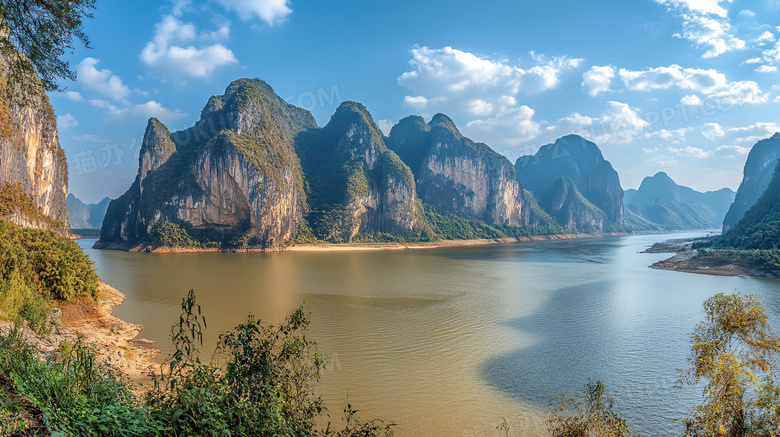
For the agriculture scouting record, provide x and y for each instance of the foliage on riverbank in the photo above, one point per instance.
(38, 268)
(260, 382)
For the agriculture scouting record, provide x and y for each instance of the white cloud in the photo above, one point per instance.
(766, 36)
(171, 49)
(691, 152)
(712, 130)
(139, 111)
(735, 151)
(747, 13)
(155, 109)
(385, 125)
(673, 76)
(270, 11)
(707, 82)
(690, 100)
(766, 69)
(712, 33)
(674, 136)
(742, 92)
(598, 79)
(449, 72)
(751, 134)
(511, 127)
(101, 81)
(700, 6)
(753, 61)
(481, 92)
(619, 123)
(73, 95)
(66, 121)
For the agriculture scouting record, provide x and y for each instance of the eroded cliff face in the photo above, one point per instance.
(233, 174)
(356, 183)
(583, 164)
(570, 208)
(31, 158)
(458, 176)
(759, 168)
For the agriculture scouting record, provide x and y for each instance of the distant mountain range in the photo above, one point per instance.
(258, 171)
(86, 216)
(660, 201)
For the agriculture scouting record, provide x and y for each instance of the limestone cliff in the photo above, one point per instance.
(32, 163)
(356, 185)
(581, 162)
(571, 209)
(234, 176)
(759, 168)
(458, 176)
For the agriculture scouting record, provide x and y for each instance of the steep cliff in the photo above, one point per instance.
(571, 209)
(593, 176)
(759, 168)
(33, 171)
(671, 206)
(355, 184)
(759, 227)
(455, 175)
(230, 179)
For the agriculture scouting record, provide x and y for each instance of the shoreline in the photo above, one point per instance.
(684, 260)
(360, 247)
(113, 340)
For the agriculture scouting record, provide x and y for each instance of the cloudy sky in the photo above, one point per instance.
(681, 86)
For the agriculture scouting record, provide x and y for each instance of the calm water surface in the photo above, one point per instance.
(447, 342)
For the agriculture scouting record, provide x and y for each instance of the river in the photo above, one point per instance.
(452, 341)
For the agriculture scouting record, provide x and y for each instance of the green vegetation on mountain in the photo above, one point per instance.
(759, 168)
(13, 200)
(38, 268)
(667, 205)
(759, 227)
(593, 177)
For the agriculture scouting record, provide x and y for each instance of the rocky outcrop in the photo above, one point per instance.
(32, 163)
(232, 175)
(356, 184)
(458, 176)
(759, 168)
(582, 162)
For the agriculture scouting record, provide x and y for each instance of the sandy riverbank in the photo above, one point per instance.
(115, 341)
(357, 247)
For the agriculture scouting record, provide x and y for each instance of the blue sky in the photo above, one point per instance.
(681, 86)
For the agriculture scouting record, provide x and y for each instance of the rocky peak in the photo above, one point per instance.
(441, 121)
(410, 139)
(580, 160)
(359, 138)
(156, 148)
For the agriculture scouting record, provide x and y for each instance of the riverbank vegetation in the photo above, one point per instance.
(259, 382)
(37, 269)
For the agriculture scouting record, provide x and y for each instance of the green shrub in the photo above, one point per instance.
(37, 267)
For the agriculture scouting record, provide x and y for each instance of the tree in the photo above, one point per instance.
(729, 352)
(593, 417)
(34, 34)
